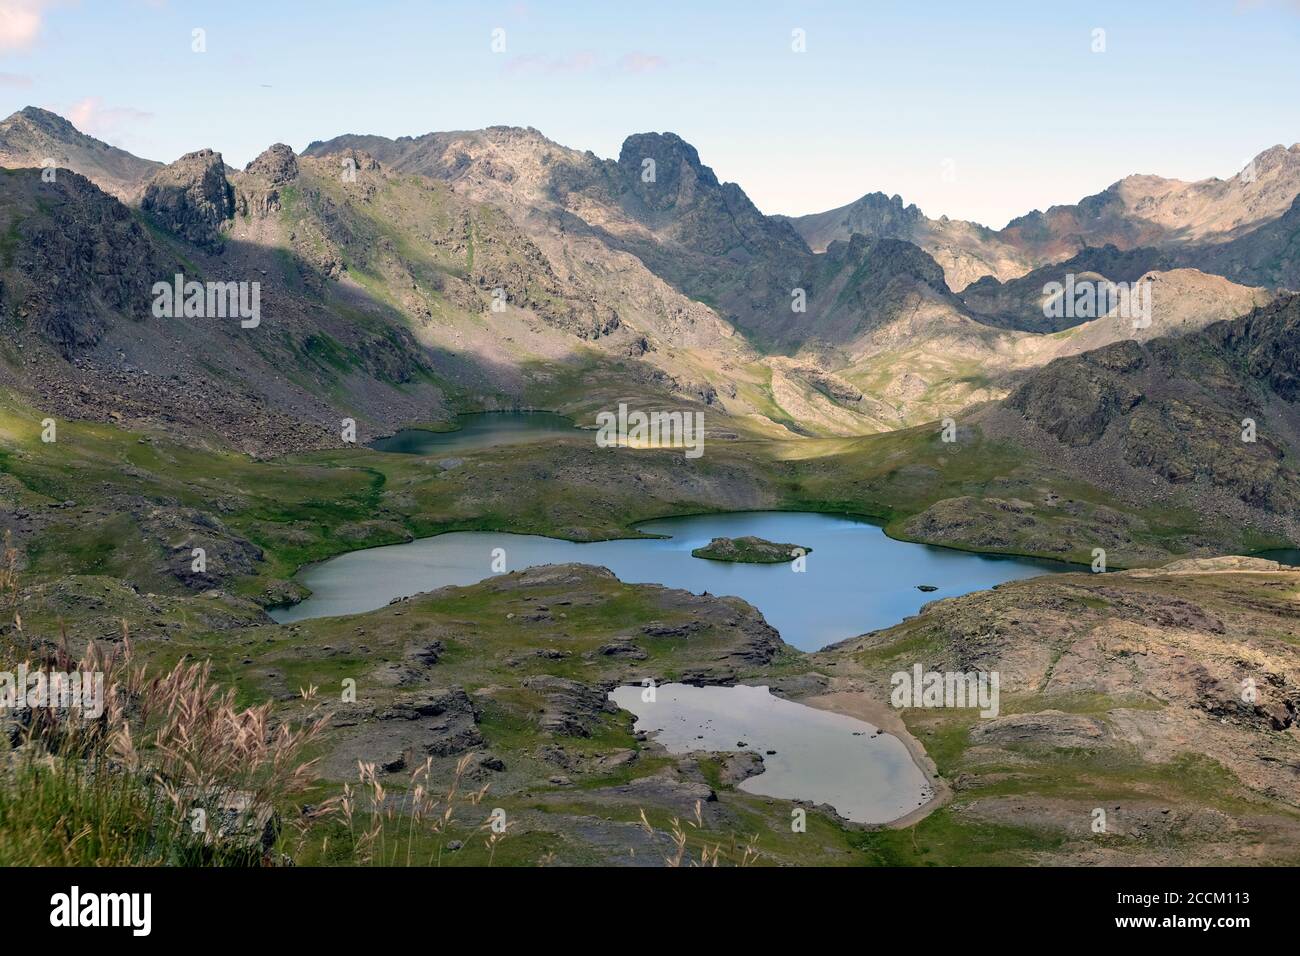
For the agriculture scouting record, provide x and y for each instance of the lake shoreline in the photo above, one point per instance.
(820, 752)
(634, 535)
(858, 578)
(879, 714)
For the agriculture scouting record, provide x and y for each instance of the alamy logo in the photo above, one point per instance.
(916, 688)
(58, 690)
(209, 300)
(1090, 299)
(639, 429)
(103, 909)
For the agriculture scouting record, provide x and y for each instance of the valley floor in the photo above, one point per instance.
(1121, 692)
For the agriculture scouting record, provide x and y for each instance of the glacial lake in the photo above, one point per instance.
(868, 776)
(856, 578)
(480, 430)
(1289, 556)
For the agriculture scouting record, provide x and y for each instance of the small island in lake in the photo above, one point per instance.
(749, 550)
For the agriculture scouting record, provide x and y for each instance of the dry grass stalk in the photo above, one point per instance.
(708, 854)
(386, 829)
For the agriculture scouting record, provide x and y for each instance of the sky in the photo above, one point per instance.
(979, 111)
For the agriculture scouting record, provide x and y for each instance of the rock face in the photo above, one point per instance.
(225, 555)
(1076, 400)
(861, 285)
(1046, 729)
(664, 184)
(259, 189)
(572, 708)
(192, 198)
(1217, 409)
(81, 259)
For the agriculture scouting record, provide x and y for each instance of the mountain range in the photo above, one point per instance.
(1136, 212)
(403, 279)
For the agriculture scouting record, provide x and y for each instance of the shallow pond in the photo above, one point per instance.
(868, 776)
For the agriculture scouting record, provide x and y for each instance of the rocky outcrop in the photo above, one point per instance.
(224, 556)
(79, 260)
(444, 719)
(1046, 729)
(572, 709)
(1075, 400)
(192, 199)
(259, 188)
(277, 165)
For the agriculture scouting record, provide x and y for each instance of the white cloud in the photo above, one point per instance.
(638, 62)
(580, 62)
(20, 22)
(107, 123)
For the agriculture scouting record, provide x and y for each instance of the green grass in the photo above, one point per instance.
(945, 839)
(68, 812)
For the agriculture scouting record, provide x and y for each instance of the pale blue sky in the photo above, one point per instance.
(1011, 92)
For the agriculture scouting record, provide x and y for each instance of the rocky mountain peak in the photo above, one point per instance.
(192, 198)
(277, 164)
(668, 147)
(32, 137)
(876, 214)
(676, 174)
(46, 121)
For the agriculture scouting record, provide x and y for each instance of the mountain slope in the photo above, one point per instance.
(657, 202)
(83, 340)
(34, 137)
(1182, 296)
(1268, 255)
(1173, 417)
(815, 317)
(382, 293)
